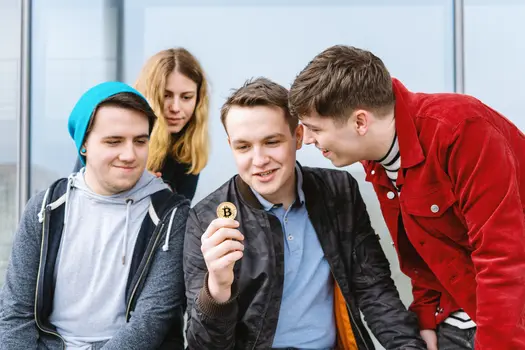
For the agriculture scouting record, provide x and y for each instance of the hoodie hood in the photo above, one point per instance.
(84, 109)
(147, 185)
(131, 202)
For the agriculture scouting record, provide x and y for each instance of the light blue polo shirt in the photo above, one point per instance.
(306, 316)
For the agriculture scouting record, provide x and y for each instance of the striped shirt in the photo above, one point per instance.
(392, 163)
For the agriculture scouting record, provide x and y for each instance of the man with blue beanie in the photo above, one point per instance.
(97, 257)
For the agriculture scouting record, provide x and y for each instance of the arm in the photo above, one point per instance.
(160, 306)
(377, 297)
(484, 173)
(211, 325)
(425, 304)
(18, 329)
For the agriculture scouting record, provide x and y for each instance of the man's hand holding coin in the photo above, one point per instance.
(221, 247)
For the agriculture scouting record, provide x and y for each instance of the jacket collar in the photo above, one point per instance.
(409, 145)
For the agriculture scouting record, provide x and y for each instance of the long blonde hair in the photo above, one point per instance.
(192, 147)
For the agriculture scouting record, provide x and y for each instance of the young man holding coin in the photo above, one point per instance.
(283, 256)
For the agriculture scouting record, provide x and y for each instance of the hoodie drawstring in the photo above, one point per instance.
(129, 202)
(70, 180)
(165, 247)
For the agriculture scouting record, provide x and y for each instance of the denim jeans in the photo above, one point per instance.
(453, 338)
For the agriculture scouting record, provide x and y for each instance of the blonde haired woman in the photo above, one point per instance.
(174, 83)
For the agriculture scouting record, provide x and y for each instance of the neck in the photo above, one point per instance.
(385, 132)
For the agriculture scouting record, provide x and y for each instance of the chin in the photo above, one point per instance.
(175, 129)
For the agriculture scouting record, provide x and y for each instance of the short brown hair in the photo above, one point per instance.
(340, 80)
(126, 100)
(260, 92)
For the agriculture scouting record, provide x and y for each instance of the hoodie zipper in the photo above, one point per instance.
(40, 326)
(144, 267)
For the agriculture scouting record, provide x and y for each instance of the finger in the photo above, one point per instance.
(222, 235)
(217, 252)
(217, 224)
(225, 261)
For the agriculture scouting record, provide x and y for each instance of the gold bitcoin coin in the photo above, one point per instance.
(226, 210)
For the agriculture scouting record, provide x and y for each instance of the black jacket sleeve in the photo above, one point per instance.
(377, 297)
(211, 325)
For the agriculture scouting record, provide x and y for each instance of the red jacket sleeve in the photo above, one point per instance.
(424, 305)
(484, 172)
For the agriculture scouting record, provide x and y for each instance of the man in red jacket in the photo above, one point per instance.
(449, 173)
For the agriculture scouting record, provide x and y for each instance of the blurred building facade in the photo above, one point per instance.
(470, 46)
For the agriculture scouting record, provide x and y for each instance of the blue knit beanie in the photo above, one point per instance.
(83, 111)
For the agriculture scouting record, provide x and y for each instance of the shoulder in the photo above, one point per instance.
(447, 111)
(334, 180)
(205, 210)
(166, 200)
(216, 197)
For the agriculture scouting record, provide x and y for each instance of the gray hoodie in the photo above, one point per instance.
(91, 273)
(92, 269)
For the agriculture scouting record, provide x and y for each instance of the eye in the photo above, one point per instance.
(273, 142)
(112, 142)
(142, 141)
(187, 97)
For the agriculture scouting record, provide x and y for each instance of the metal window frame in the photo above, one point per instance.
(23, 182)
(24, 120)
(459, 46)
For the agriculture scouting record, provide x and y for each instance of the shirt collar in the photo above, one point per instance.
(267, 205)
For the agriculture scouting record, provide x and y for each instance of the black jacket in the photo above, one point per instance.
(356, 259)
(176, 176)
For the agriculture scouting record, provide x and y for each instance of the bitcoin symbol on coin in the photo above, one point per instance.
(226, 210)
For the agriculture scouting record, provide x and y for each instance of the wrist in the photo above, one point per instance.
(220, 294)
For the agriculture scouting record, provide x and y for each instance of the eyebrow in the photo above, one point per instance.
(272, 136)
(266, 138)
(122, 137)
(182, 93)
(307, 125)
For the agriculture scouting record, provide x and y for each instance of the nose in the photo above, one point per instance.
(260, 158)
(128, 153)
(175, 105)
(308, 137)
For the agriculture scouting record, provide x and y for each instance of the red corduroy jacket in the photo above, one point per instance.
(458, 224)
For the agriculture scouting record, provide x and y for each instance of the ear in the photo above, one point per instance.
(299, 133)
(361, 120)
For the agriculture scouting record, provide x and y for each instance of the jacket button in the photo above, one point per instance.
(434, 208)
(373, 172)
(390, 195)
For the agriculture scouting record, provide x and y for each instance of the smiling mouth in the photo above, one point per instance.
(266, 173)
